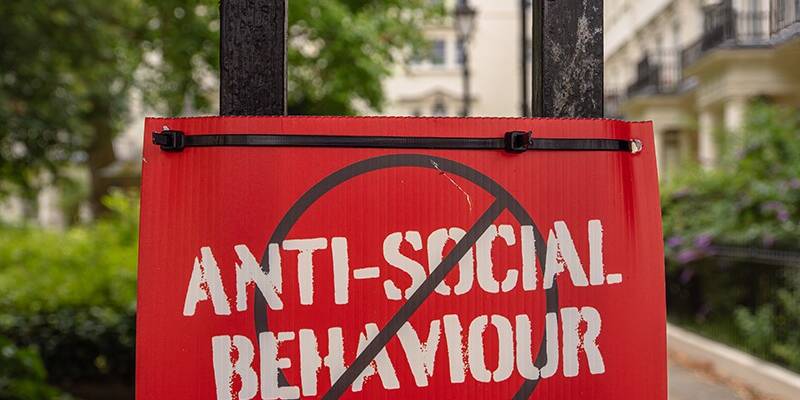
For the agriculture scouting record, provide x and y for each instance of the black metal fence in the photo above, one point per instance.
(656, 73)
(744, 296)
(785, 14)
(726, 26)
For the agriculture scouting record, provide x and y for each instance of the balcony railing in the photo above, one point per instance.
(784, 19)
(726, 26)
(656, 73)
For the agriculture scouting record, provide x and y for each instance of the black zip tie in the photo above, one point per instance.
(512, 142)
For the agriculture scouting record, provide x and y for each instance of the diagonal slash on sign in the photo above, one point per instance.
(415, 301)
(503, 201)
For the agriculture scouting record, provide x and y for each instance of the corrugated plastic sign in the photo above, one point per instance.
(284, 268)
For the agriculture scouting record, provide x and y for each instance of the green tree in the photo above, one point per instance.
(354, 44)
(68, 68)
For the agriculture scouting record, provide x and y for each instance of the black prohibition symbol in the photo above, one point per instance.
(503, 200)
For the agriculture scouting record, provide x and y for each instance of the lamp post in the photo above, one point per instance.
(464, 17)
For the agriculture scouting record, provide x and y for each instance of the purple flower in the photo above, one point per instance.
(783, 215)
(703, 241)
(687, 256)
(674, 241)
(794, 184)
(772, 206)
(778, 208)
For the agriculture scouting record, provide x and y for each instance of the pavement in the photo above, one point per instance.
(686, 383)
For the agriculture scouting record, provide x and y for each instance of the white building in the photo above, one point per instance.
(433, 86)
(692, 66)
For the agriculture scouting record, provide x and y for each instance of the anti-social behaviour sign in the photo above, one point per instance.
(305, 257)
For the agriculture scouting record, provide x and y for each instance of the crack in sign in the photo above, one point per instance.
(466, 195)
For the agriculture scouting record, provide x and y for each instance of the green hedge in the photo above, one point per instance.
(72, 295)
(22, 374)
(751, 201)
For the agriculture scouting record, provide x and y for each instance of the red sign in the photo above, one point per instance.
(318, 266)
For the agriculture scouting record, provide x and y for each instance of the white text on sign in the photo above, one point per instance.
(580, 326)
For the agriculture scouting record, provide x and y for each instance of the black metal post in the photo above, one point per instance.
(567, 58)
(524, 5)
(253, 57)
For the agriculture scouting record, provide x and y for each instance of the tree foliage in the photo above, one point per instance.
(68, 69)
(341, 50)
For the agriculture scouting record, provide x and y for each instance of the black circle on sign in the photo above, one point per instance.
(398, 161)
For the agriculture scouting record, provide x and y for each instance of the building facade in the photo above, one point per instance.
(693, 66)
(432, 85)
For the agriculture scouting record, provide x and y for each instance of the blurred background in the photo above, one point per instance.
(720, 79)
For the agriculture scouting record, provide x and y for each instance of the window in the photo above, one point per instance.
(439, 108)
(672, 154)
(438, 52)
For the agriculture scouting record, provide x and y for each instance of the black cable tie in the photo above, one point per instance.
(170, 140)
(518, 141)
(513, 142)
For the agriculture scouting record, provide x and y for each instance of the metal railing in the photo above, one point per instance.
(656, 73)
(726, 26)
(766, 256)
(784, 16)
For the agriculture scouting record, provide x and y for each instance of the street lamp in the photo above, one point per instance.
(464, 18)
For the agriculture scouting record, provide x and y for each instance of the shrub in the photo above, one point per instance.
(752, 198)
(771, 331)
(751, 202)
(72, 294)
(22, 374)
